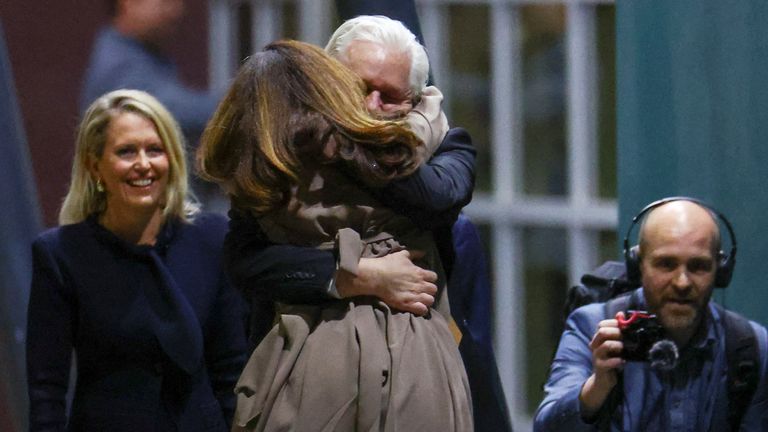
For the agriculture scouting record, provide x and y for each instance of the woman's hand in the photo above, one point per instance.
(394, 279)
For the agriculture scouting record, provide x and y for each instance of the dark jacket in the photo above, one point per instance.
(157, 331)
(469, 293)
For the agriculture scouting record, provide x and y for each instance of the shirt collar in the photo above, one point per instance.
(703, 341)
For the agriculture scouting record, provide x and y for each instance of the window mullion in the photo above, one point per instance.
(435, 26)
(266, 23)
(581, 67)
(221, 44)
(314, 21)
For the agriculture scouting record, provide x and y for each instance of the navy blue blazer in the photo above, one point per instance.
(158, 332)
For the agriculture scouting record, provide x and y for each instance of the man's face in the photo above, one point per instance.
(678, 266)
(158, 18)
(385, 73)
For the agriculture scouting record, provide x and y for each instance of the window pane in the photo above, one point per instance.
(545, 168)
(290, 20)
(606, 82)
(545, 286)
(244, 25)
(609, 247)
(470, 80)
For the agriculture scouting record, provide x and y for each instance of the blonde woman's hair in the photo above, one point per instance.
(83, 198)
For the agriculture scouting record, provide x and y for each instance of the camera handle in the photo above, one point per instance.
(634, 316)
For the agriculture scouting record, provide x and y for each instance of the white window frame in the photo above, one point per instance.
(580, 212)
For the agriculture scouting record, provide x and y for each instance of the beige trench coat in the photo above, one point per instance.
(353, 364)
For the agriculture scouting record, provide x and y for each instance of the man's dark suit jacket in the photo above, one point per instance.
(469, 293)
(158, 332)
(432, 198)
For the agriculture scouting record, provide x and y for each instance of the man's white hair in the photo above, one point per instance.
(389, 33)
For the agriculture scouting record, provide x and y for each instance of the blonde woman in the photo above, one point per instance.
(132, 282)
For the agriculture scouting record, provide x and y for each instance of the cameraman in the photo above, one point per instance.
(679, 250)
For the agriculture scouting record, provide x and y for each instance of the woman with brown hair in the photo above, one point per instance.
(294, 147)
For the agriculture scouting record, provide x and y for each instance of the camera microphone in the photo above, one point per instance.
(663, 355)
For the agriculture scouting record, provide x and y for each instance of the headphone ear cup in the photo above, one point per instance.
(632, 261)
(724, 271)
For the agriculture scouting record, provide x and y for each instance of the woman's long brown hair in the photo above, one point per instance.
(288, 103)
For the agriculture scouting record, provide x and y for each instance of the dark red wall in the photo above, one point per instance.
(49, 44)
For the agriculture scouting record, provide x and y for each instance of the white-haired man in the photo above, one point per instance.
(387, 56)
(395, 68)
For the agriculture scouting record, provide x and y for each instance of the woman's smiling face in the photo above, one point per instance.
(133, 166)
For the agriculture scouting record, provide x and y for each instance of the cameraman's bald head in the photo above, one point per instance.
(675, 216)
(679, 257)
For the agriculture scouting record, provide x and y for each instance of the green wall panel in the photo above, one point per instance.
(692, 113)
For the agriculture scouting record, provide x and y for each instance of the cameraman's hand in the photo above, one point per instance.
(394, 279)
(606, 347)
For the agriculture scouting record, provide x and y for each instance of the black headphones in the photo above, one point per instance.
(725, 262)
